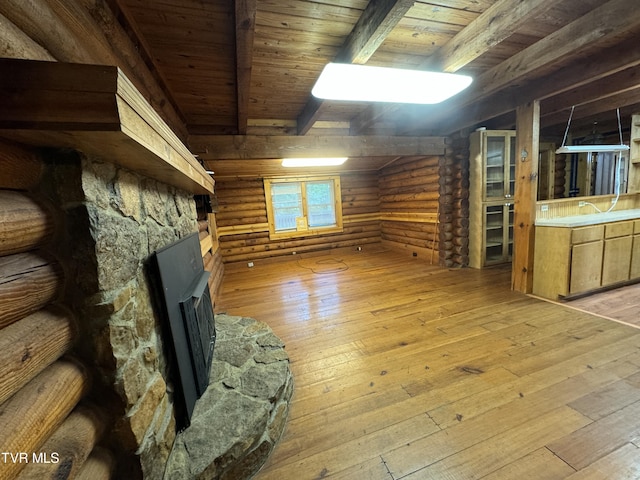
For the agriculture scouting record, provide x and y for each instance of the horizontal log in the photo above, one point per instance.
(424, 206)
(73, 442)
(32, 415)
(409, 241)
(99, 466)
(406, 164)
(423, 228)
(24, 223)
(418, 198)
(28, 282)
(244, 206)
(30, 345)
(20, 167)
(267, 245)
(15, 43)
(409, 186)
(302, 249)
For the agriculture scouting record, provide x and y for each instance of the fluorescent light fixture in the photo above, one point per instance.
(313, 162)
(592, 148)
(363, 83)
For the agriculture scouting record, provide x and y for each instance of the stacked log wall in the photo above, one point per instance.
(409, 196)
(43, 385)
(454, 203)
(243, 227)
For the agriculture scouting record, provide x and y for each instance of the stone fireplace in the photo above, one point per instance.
(130, 193)
(115, 220)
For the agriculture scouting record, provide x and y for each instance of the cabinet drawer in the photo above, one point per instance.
(618, 229)
(636, 228)
(587, 234)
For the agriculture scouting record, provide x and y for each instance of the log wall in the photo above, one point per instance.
(454, 203)
(409, 193)
(243, 227)
(43, 385)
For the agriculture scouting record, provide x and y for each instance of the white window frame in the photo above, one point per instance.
(302, 228)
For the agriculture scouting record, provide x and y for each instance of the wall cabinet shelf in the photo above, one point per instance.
(492, 175)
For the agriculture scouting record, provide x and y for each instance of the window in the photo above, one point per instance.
(303, 206)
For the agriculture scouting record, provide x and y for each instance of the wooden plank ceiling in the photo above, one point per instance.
(246, 67)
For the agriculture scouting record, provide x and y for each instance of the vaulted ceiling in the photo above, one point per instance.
(246, 67)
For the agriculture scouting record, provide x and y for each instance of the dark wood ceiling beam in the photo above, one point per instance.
(245, 11)
(234, 147)
(611, 20)
(493, 26)
(496, 24)
(606, 104)
(372, 28)
(606, 70)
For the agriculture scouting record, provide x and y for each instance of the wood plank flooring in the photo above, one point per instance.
(404, 370)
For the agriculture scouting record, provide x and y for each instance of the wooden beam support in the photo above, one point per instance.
(97, 110)
(496, 24)
(245, 28)
(374, 25)
(526, 188)
(233, 147)
(493, 26)
(613, 19)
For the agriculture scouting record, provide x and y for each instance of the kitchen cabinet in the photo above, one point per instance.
(573, 259)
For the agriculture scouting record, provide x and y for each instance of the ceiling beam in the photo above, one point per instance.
(233, 147)
(374, 25)
(493, 26)
(608, 21)
(245, 12)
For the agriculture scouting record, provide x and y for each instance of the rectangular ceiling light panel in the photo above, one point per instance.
(313, 162)
(361, 83)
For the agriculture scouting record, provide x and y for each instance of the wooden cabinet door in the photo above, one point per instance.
(617, 260)
(634, 271)
(586, 267)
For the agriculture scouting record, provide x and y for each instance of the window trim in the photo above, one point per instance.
(309, 231)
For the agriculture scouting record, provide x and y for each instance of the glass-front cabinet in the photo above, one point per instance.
(500, 166)
(491, 191)
(498, 233)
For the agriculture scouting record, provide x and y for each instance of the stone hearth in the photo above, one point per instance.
(242, 414)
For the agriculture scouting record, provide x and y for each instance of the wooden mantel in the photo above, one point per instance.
(97, 110)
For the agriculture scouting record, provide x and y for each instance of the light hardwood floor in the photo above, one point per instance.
(405, 370)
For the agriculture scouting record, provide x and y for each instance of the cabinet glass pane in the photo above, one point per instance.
(494, 233)
(510, 237)
(495, 163)
(512, 165)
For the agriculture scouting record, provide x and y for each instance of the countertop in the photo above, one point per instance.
(589, 219)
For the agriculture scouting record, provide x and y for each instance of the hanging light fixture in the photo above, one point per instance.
(592, 148)
(363, 83)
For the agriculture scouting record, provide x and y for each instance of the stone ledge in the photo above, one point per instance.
(241, 416)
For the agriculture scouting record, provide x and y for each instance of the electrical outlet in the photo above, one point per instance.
(544, 208)
(582, 204)
(250, 264)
